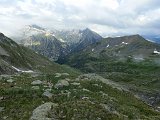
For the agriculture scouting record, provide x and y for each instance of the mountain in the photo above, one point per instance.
(153, 38)
(132, 47)
(16, 58)
(130, 60)
(55, 44)
(78, 39)
(47, 45)
(43, 42)
(88, 37)
(46, 90)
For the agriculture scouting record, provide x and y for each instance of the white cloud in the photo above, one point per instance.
(108, 17)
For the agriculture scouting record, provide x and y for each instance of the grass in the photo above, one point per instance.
(86, 101)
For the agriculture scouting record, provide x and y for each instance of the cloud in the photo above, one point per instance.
(107, 17)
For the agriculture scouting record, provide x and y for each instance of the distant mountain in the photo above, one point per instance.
(55, 44)
(79, 38)
(124, 48)
(88, 37)
(16, 58)
(47, 45)
(153, 38)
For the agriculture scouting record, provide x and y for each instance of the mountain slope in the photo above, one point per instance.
(88, 37)
(121, 48)
(46, 45)
(15, 58)
(61, 93)
(129, 60)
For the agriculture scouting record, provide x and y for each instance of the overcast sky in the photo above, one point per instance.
(107, 17)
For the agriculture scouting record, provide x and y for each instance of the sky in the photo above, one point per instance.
(106, 17)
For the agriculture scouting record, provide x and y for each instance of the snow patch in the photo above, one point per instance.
(18, 70)
(125, 43)
(156, 52)
(61, 40)
(92, 50)
(107, 45)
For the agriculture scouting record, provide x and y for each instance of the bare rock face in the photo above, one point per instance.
(41, 112)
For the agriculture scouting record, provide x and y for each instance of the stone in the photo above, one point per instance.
(1, 109)
(1, 98)
(65, 74)
(47, 94)
(61, 83)
(86, 90)
(10, 81)
(36, 82)
(48, 90)
(41, 112)
(75, 83)
(58, 75)
(61, 74)
(35, 87)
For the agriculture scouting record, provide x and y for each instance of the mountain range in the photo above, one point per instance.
(101, 78)
(55, 44)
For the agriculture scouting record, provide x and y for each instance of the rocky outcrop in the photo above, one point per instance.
(41, 112)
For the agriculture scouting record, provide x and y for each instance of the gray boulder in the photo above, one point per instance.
(36, 82)
(10, 81)
(35, 87)
(41, 112)
(61, 83)
(47, 94)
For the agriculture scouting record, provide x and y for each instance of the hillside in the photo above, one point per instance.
(39, 89)
(15, 58)
(129, 60)
(121, 49)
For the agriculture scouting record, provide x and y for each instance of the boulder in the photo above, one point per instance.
(10, 81)
(35, 87)
(1, 109)
(75, 83)
(36, 82)
(41, 112)
(47, 94)
(61, 83)
(58, 75)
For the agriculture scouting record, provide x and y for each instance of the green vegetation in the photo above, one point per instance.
(91, 100)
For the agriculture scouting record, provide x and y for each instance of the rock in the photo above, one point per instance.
(85, 98)
(86, 90)
(96, 85)
(61, 74)
(41, 112)
(75, 83)
(48, 89)
(61, 83)
(58, 75)
(1, 109)
(67, 79)
(47, 94)
(1, 98)
(65, 74)
(35, 87)
(10, 81)
(5, 117)
(36, 82)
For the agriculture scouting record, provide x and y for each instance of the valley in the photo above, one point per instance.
(49, 76)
